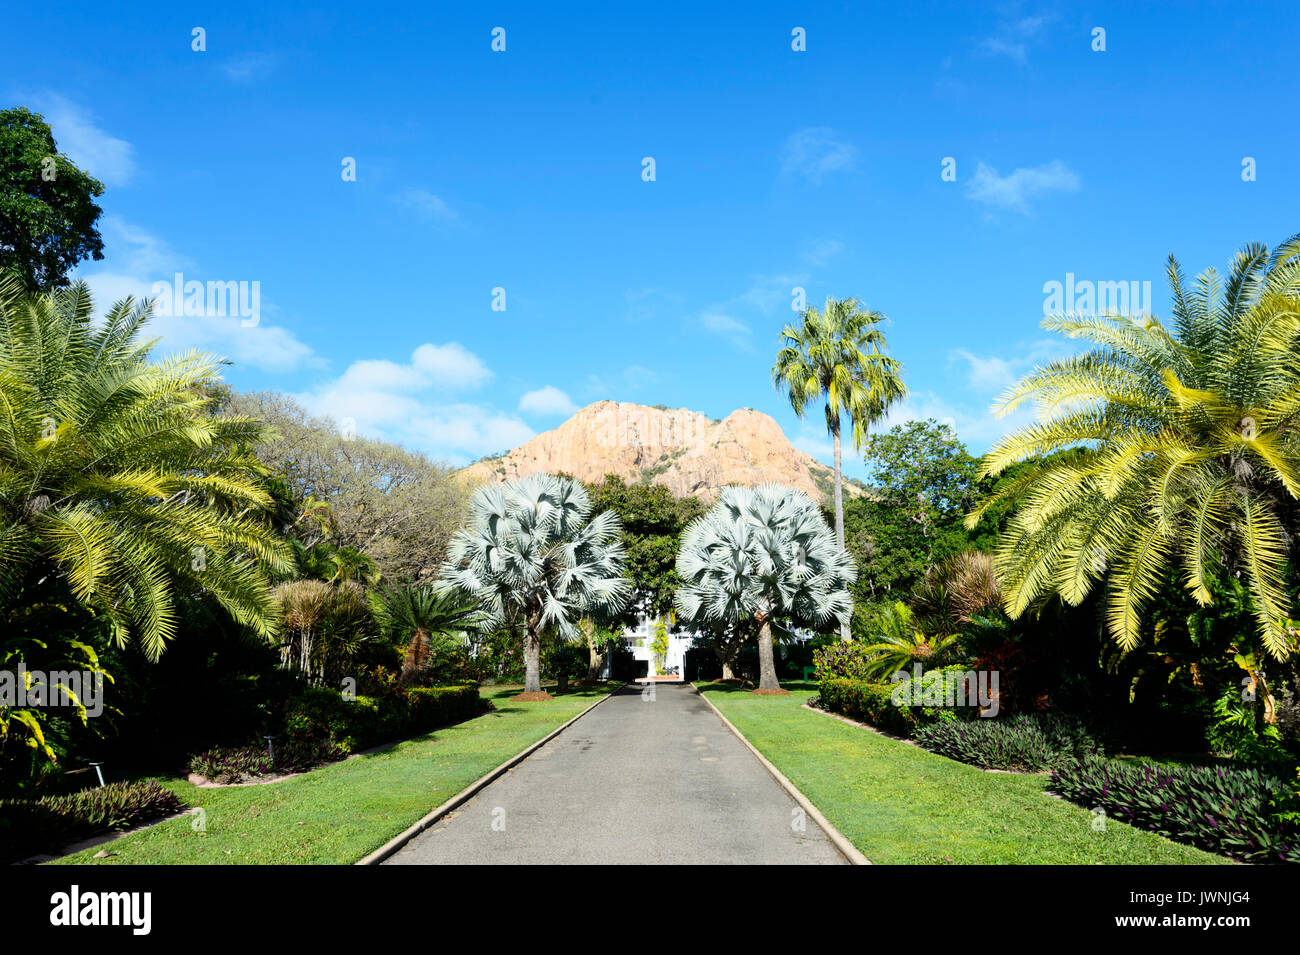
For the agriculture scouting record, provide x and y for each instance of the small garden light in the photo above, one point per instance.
(270, 747)
(99, 772)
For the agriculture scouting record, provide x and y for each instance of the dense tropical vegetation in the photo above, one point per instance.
(1107, 595)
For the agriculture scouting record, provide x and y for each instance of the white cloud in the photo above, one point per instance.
(547, 401)
(427, 205)
(249, 67)
(107, 158)
(412, 403)
(135, 259)
(814, 152)
(819, 252)
(1014, 190)
(1012, 37)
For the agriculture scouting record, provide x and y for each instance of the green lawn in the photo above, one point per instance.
(341, 812)
(900, 804)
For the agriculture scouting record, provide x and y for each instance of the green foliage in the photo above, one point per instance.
(839, 354)
(325, 628)
(47, 824)
(234, 764)
(653, 520)
(116, 475)
(659, 645)
(872, 703)
(1235, 812)
(326, 716)
(430, 626)
(1184, 451)
(341, 495)
(896, 643)
(1026, 742)
(48, 213)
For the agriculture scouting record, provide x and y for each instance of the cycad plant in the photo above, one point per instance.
(839, 353)
(430, 625)
(898, 642)
(117, 477)
(1180, 446)
(762, 557)
(535, 553)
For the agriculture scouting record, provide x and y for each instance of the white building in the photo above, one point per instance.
(638, 639)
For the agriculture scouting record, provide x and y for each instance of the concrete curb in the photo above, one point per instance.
(837, 838)
(406, 835)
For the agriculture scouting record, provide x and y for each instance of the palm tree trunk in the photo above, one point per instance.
(839, 506)
(532, 659)
(766, 660)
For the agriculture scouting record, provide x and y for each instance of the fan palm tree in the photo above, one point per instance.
(839, 354)
(117, 477)
(429, 624)
(763, 556)
(899, 642)
(1183, 448)
(533, 551)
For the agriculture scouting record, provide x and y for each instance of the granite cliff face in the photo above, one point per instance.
(687, 452)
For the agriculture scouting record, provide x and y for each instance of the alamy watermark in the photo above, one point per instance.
(946, 688)
(26, 688)
(209, 300)
(1086, 297)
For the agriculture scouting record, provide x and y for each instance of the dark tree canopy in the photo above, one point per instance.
(653, 520)
(47, 207)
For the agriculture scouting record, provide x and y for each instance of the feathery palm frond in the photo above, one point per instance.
(1187, 446)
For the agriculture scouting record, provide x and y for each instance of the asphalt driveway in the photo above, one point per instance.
(635, 781)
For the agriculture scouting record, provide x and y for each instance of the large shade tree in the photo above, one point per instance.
(48, 213)
(1184, 452)
(838, 354)
(118, 481)
(534, 553)
(763, 557)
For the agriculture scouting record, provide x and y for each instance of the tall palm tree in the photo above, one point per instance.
(1185, 446)
(117, 477)
(533, 551)
(839, 354)
(763, 556)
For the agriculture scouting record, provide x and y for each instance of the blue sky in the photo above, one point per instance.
(522, 170)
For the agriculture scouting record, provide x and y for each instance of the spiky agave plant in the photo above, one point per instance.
(763, 556)
(1186, 443)
(118, 478)
(534, 552)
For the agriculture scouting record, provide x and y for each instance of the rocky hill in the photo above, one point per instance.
(687, 452)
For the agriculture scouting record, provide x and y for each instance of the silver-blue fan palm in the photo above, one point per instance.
(534, 554)
(762, 556)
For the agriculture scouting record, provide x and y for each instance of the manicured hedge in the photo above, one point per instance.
(29, 826)
(321, 715)
(1233, 811)
(1029, 742)
(873, 703)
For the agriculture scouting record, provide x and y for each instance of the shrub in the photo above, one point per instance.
(1237, 812)
(322, 715)
(234, 764)
(46, 824)
(873, 703)
(1030, 742)
(845, 660)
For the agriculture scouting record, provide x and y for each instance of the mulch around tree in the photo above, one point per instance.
(541, 697)
(769, 692)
